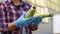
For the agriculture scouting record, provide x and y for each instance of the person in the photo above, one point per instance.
(12, 19)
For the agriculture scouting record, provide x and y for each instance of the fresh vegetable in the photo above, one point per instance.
(30, 12)
(43, 15)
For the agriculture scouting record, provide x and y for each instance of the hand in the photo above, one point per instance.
(37, 20)
(23, 21)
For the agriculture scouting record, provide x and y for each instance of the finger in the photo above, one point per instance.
(38, 19)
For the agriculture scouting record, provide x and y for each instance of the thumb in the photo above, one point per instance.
(24, 12)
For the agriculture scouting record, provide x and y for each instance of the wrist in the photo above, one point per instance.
(11, 26)
(16, 23)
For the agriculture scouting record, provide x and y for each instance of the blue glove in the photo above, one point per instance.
(37, 20)
(23, 21)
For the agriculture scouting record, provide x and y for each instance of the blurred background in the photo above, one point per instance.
(48, 25)
(52, 6)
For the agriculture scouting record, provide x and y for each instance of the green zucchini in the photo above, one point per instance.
(43, 15)
(30, 12)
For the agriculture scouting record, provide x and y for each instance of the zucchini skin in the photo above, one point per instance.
(30, 12)
(43, 15)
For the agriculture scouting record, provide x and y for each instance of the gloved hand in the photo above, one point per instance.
(37, 20)
(23, 21)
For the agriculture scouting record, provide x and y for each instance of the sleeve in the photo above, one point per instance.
(3, 24)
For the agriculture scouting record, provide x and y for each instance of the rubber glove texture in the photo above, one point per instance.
(23, 21)
(37, 20)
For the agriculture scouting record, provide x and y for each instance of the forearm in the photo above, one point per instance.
(11, 26)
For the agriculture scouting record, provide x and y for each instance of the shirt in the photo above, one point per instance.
(9, 13)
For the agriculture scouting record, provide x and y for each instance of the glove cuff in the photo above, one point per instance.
(16, 23)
